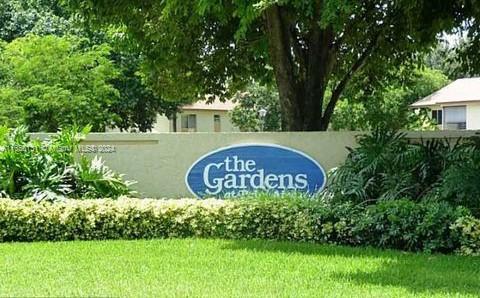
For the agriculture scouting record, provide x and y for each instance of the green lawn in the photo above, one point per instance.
(228, 268)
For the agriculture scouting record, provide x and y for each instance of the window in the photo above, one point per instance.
(455, 117)
(189, 123)
(216, 123)
(437, 116)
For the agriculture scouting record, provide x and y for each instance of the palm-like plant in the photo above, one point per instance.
(49, 169)
(386, 165)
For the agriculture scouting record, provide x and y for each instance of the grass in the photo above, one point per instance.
(219, 268)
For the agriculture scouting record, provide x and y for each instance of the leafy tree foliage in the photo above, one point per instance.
(308, 47)
(41, 17)
(386, 102)
(137, 107)
(57, 83)
(246, 114)
(447, 58)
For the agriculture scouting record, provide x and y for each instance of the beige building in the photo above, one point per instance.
(456, 106)
(199, 117)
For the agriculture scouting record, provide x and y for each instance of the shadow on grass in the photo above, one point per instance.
(417, 273)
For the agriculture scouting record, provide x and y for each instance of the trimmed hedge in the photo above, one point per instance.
(402, 224)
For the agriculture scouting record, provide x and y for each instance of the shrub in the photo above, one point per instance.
(398, 224)
(460, 182)
(468, 230)
(53, 168)
(387, 166)
(406, 225)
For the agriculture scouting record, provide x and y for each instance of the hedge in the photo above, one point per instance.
(402, 224)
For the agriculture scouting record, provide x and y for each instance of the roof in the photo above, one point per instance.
(215, 105)
(462, 90)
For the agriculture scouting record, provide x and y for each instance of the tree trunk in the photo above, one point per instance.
(301, 96)
(303, 69)
(279, 51)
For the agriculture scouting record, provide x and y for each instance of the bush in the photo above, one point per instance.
(53, 168)
(135, 218)
(403, 224)
(468, 230)
(387, 166)
(460, 182)
(398, 224)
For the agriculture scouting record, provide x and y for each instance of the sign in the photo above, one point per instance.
(240, 169)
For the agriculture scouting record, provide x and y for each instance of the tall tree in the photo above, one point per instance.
(41, 17)
(57, 83)
(138, 106)
(307, 46)
(386, 105)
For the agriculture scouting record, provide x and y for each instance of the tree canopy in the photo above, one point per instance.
(136, 105)
(311, 49)
(386, 105)
(54, 82)
(41, 17)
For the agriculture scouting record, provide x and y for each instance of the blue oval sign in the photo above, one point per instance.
(235, 170)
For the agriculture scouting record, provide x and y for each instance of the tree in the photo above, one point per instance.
(387, 104)
(447, 58)
(246, 114)
(308, 47)
(138, 106)
(41, 17)
(57, 83)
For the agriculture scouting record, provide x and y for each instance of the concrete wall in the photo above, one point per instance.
(159, 162)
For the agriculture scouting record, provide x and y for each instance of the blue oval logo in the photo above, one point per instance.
(236, 170)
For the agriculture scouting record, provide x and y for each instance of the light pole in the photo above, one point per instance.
(262, 113)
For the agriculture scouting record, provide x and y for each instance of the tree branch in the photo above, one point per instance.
(343, 83)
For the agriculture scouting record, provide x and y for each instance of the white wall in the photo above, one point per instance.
(159, 162)
(162, 124)
(473, 116)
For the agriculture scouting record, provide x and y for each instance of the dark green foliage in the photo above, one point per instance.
(387, 166)
(313, 49)
(48, 170)
(460, 183)
(408, 225)
(383, 101)
(138, 106)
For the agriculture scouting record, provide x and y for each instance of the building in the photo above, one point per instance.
(199, 117)
(456, 106)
